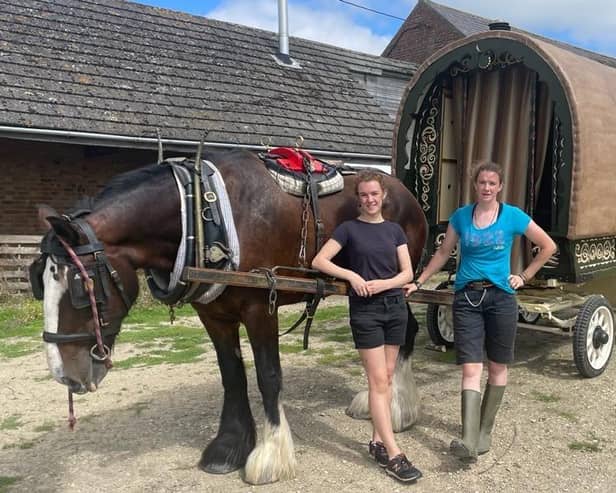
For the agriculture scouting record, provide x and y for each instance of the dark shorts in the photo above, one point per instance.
(488, 323)
(378, 320)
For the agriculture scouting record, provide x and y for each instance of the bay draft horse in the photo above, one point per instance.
(136, 219)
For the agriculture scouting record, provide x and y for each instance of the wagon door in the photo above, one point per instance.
(497, 109)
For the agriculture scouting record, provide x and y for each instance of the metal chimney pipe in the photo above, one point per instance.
(283, 28)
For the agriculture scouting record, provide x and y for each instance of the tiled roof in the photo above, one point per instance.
(468, 24)
(121, 68)
(464, 22)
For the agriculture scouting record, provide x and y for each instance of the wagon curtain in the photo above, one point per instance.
(502, 116)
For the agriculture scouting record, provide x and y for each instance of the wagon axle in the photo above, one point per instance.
(600, 337)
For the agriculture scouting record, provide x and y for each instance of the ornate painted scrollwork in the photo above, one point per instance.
(557, 158)
(595, 252)
(461, 66)
(427, 146)
(484, 60)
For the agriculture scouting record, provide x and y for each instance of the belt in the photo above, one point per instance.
(479, 285)
(370, 300)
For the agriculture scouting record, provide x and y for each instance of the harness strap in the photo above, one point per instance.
(102, 258)
(311, 309)
(102, 262)
(82, 337)
(313, 189)
(210, 196)
(312, 304)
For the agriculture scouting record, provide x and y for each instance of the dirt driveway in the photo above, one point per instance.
(145, 429)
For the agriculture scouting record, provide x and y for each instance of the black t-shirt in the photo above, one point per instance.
(370, 249)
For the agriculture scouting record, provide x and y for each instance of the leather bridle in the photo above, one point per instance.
(87, 286)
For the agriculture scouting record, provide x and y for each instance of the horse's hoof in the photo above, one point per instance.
(358, 409)
(221, 456)
(213, 468)
(273, 459)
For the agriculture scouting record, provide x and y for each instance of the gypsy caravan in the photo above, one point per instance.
(546, 112)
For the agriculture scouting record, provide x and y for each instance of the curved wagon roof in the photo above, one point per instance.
(583, 93)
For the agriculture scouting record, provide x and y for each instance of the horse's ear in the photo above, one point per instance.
(44, 211)
(64, 229)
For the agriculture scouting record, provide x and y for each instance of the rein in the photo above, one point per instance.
(104, 351)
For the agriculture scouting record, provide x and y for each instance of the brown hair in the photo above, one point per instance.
(480, 166)
(369, 175)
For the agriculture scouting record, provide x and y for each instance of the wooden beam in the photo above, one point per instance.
(260, 280)
(297, 284)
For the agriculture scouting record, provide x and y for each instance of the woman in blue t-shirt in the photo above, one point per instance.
(377, 265)
(485, 311)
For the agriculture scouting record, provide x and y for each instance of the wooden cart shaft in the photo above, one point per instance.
(260, 280)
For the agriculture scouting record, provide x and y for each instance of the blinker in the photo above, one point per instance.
(35, 274)
(77, 288)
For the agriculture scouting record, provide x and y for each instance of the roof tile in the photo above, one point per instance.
(117, 67)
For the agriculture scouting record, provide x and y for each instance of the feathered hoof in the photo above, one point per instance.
(225, 454)
(358, 409)
(405, 398)
(404, 402)
(273, 459)
(213, 468)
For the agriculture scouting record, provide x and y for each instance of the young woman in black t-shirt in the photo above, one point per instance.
(378, 264)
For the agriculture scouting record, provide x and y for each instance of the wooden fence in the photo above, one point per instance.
(16, 254)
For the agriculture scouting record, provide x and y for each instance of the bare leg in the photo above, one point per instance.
(405, 398)
(379, 364)
(497, 373)
(471, 376)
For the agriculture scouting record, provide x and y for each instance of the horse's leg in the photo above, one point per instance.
(405, 399)
(236, 433)
(273, 458)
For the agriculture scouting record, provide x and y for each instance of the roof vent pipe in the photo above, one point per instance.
(282, 57)
(499, 26)
(283, 28)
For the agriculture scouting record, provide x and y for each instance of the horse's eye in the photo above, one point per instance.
(52, 269)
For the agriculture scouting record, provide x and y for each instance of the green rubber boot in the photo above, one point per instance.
(466, 448)
(492, 399)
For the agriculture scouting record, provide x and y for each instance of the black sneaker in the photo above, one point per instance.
(378, 452)
(400, 468)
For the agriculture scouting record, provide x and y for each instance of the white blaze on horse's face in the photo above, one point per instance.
(56, 285)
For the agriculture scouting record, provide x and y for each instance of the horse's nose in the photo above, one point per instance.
(75, 387)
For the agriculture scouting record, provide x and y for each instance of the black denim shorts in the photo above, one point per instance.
(484, 318)
(378, 320)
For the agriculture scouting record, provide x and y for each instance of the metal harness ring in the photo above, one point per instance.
(96, 356)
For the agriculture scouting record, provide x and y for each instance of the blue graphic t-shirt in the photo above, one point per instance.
(485, 254)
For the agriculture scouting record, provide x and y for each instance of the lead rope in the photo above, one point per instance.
(71, 411)
(105, 352)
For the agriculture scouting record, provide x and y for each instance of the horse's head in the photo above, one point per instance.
(87, 289)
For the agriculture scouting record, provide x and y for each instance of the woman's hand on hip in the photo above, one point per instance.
(516, 281)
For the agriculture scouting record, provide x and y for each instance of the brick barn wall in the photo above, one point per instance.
(423, 33)
(32, 173)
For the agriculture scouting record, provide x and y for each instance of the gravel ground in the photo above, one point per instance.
(145, 429)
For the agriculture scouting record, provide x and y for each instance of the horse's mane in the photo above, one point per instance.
(130, 181)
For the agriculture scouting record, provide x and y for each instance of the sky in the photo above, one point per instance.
(589, 24)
